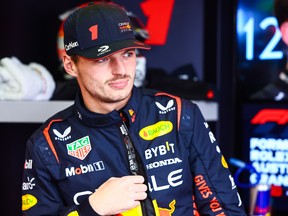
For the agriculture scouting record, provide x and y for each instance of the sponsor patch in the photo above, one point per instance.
(64, 136)
(28, 164)
(224, 163)
(28, 201)
(124, 27)
(166, 211)
(79, 148)
(165, 109)
(208, 195)
(156, 130)
(71, 45)
(134, 211)
(29, 185)
(74, 213)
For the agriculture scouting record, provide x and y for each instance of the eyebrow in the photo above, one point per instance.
(130, 49)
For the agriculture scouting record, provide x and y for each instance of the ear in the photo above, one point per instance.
(69, 65)
(284, 32)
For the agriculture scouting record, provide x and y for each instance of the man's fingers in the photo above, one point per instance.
(141, 188)
(140, 196)
(119, 195)
(135, 178)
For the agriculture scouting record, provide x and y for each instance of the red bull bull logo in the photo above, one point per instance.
(166, 211)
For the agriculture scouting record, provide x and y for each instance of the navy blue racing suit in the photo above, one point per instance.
(76, 150)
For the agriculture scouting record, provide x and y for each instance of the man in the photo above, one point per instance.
(120, 150)
(278, 89)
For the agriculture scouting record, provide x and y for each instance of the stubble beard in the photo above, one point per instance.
(111, 97)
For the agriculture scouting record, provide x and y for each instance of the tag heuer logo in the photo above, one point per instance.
(79, 148)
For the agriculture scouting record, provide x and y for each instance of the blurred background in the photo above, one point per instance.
(217, 53)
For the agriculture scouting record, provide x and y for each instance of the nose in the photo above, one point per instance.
(118, 66)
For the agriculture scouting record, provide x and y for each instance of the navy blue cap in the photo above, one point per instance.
(98, 30)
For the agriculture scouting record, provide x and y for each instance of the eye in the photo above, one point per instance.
(129, 53)
(102, 60)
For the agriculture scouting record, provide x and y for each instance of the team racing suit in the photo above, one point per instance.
(76, 151)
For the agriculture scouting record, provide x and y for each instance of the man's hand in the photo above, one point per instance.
(117, 195)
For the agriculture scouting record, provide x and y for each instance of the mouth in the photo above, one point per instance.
(119, 84)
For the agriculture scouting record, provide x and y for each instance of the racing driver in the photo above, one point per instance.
(119, 149)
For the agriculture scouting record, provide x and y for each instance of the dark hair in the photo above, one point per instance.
(75, 58)
(281, 11)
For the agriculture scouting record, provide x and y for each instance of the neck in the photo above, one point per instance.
(103, 107)
(100, 106)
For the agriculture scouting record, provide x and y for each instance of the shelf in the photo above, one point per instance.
(30, 111)
(39, 111)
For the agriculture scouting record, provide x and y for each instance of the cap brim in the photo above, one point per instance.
(108, 49)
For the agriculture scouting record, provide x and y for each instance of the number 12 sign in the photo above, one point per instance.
(258, 34)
